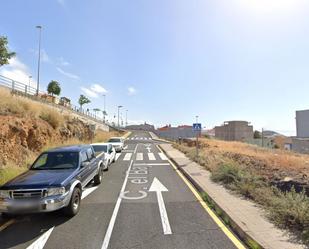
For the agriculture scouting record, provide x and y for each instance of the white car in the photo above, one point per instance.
(109, 153)
(117, 142)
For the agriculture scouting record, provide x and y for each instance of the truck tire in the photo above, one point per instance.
(98, 178)
(74, 204)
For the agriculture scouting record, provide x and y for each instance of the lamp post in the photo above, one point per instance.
(120, 106)
(197, 134)
(126, 117)
(39, 60)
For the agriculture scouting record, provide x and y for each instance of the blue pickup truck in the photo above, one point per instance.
(54, 181)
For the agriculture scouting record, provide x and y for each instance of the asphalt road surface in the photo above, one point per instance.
(141, 203)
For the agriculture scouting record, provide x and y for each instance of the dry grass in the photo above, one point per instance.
(103, 136)
(12, 104)
(274, 159)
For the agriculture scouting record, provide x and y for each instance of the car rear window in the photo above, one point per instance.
(114, 140)
(100, 148)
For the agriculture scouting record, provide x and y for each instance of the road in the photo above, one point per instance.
(141, 203)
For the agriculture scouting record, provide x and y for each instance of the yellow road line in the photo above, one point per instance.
(6, 224)
(223, 227)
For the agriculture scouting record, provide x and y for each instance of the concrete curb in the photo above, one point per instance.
(156, 138)
(226, 219)
(127, 134)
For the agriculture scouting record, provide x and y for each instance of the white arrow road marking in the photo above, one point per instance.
(40, 242)
(115, 212)
(158, 187)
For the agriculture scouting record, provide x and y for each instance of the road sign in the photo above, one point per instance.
(197, 127)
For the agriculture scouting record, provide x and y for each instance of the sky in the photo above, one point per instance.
(166, 61)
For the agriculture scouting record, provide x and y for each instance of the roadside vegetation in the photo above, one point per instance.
(251, 172)
(28, 128)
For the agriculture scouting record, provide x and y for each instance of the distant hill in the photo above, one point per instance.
(269, 133)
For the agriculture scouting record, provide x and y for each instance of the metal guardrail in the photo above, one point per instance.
(30, 92)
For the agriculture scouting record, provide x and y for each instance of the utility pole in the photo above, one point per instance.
(120, 106)
(39, 60)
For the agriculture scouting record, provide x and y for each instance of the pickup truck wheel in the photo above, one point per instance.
(74, 205)
(98, 178)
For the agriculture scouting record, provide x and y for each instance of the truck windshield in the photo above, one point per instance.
(114, 140)
(56, 160)
(99, 148)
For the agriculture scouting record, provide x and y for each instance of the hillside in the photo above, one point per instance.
(28, 127)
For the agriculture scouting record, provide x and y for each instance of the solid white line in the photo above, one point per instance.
(125, 147)
(115, 212)
(139, 156)
(162, 156)
(117, 156)
(127, 157)
(41, 241)
(6, 224)
(151, 157)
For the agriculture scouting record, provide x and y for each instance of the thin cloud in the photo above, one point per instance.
(89, 93)
(17, 71)
(98, 88)
(63, 62)
(131, 90)
(67, 74)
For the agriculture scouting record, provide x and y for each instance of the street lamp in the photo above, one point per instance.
(39, 60)
(120, 106)
(126, 117)
(196, 118)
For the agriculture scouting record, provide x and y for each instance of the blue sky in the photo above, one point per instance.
(219, 59)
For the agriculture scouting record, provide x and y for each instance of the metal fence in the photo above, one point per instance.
(31, 92)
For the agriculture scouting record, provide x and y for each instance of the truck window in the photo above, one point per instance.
(90, 154)
(83, 157)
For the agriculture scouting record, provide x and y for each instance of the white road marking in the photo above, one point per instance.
(162, 156)
(88, 191)
(116, 209)
(139, 156)
(127, 157)
(125, 147)
(151, 157)
(41, 241)
(158, 187)
(117, 156)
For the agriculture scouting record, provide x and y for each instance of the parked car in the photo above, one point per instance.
(54, 181)
(117, 142)
(109, 153)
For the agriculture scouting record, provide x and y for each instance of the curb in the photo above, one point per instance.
(226, 219)
(127, 134)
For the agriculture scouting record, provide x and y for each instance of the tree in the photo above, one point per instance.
(83, 100)
(54, 88)
(257, 135)
(5, 54)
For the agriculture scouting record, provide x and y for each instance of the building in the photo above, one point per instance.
(174, 133)
(302, 124)
(234, 131)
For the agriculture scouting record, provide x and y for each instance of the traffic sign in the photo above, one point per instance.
(197, 127)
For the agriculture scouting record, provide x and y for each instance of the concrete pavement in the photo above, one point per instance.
(245, 216)
(141, 203)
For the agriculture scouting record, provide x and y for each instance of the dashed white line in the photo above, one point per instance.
(151, 157)
(139, 156)
(117, 156)
(127, 157)
(162, 156)
(40, 242)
